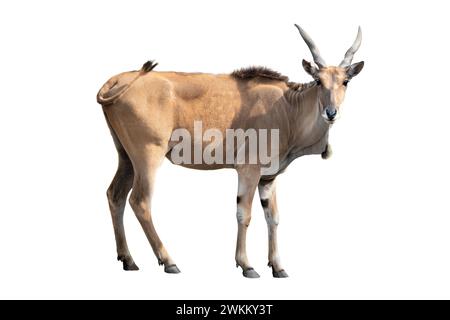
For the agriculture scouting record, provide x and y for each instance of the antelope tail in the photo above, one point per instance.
(107, 95)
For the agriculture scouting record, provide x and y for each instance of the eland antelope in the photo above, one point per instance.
(144, 108)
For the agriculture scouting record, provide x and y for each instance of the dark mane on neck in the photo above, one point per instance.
(257, 72)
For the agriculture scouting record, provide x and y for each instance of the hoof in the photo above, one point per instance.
(171, 269)
(250, 273)
(130, 267)
(128, 263)
(279, 274)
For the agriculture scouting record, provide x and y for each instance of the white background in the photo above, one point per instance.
(372, 222)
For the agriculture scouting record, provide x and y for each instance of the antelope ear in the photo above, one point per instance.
(354, 69)
(310, 68)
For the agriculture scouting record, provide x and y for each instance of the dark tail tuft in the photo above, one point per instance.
(148, 66)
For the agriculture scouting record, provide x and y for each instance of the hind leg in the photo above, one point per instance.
(117, 195)
(140, 200)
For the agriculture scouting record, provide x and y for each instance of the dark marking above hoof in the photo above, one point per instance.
(280, 274)
(238, 199)
(265, 203)
(171, 269)
(250, 273)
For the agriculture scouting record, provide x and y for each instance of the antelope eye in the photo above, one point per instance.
(346, 82)
(318, 82)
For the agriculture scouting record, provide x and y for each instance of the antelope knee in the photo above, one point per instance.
(272, 220)
(243, 217)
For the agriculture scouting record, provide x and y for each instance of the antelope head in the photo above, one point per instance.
(332, 81)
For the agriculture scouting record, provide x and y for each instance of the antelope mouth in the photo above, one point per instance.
(328, 120)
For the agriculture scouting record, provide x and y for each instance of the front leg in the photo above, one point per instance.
(267, 194)
(248, 180)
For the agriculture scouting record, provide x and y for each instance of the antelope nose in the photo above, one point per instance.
(331, 113)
